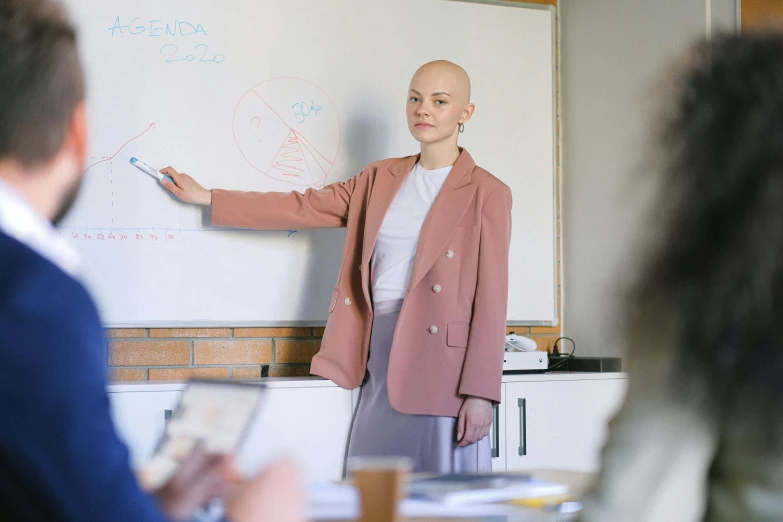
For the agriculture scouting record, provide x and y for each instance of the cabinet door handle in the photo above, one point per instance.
(522, 404)
(495, 441)
(167, 414)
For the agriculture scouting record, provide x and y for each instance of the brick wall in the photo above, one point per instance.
(138, 354)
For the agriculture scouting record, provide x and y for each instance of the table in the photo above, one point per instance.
(577, 482)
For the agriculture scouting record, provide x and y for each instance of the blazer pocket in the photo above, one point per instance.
(467, 232)
(457, 334)
(335, 296)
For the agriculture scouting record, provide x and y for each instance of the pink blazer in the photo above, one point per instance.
(447, 344)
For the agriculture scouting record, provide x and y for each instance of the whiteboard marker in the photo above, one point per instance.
(149, 170)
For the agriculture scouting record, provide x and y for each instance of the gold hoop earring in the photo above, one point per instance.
(461, 128)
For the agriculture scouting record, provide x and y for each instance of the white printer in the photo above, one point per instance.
(521, 356)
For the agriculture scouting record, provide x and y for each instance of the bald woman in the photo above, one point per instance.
(417, 317)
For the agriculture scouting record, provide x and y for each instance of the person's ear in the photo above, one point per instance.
(467, 112)
(79, 133)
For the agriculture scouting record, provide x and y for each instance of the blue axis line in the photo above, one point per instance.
(157, 229)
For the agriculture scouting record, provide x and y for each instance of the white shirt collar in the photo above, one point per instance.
(442, 170)
(19, 220)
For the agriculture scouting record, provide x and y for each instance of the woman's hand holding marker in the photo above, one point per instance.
(186, 188)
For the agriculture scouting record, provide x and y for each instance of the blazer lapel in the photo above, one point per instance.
(386, 185)
(444, 216)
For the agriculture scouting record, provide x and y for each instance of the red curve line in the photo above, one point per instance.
(109, 158)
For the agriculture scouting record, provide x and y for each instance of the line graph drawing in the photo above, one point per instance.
(108, 209)
(104, 159)
(288, 129)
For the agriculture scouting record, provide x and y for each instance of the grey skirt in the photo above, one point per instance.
(381, 431)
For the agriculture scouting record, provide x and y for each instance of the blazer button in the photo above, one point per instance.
(347, 301)
(436, 288)
(449, 254)
(433, 329)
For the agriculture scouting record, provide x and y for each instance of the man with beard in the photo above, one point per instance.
(60, 457)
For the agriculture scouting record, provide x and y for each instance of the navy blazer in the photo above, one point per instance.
(60, 457)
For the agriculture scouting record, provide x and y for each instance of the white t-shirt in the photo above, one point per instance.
(395, 248)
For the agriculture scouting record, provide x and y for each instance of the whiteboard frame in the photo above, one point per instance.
(557, 157)
(557, 149)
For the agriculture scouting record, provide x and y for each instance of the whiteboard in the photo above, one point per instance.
(280, 95)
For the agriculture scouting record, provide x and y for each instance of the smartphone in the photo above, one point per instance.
(211, 416)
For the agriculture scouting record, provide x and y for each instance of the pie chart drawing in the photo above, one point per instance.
(288, 129)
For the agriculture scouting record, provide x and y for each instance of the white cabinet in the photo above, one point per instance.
(308, 424)
(559, 424)
(305, 419)
(498, 433)
(140, 417)
(543, 422)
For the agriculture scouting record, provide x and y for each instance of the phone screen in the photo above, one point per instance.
(212, 416)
